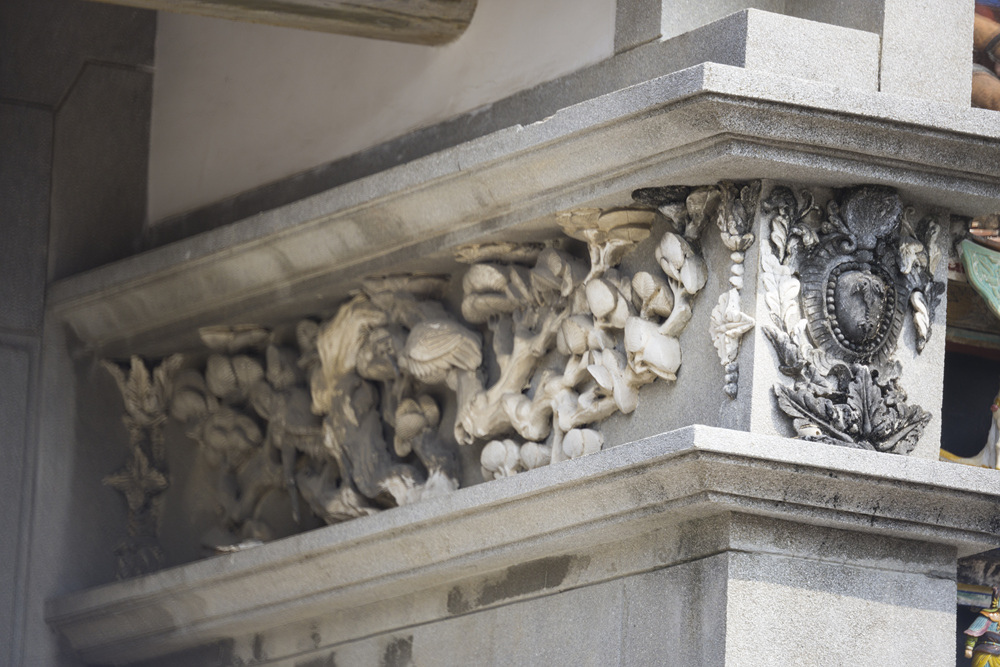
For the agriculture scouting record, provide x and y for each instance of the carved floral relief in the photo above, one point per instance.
(347, 417)
(143, 478)
(838, 284)
(368, 409)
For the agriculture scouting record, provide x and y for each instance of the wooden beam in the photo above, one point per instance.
(429, 22)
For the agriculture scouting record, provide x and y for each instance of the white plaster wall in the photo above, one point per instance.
(237, 105)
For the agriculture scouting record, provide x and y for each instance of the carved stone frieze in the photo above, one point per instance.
(574, 344)
(837, 287)
(331, 419)
(346, 416)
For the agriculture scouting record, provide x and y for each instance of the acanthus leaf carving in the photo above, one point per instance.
(142, 480)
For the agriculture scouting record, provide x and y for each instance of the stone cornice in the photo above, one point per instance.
(611, 496)
(701, 124)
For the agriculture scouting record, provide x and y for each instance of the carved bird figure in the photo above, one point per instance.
(435, 349)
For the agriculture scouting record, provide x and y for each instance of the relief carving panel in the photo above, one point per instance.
(333, 419)
(838, 284)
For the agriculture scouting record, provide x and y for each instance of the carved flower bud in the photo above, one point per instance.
(671, 252)
(230, 378)
(484, 278)
(500, 458)
(601, 298)
(582, 441)
(306, 332)
(573, 334)
(650, 350)
(229, 437)
(679, 261)
(607, 302)
(652, 295)
(190, 401)
(535, 455)
(412, 417)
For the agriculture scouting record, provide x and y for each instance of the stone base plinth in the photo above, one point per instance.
(699, 546)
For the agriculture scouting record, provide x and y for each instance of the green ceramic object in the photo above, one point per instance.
(982, 267)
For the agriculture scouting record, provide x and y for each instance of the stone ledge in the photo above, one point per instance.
(702, 124)
(616, 495)
(697, 125)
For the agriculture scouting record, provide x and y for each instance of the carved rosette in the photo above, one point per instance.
(837, 288)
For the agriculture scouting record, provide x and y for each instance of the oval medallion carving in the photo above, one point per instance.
(854, 306)
(860, 306)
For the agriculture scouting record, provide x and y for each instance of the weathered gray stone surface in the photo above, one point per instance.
(728, 40)
(45, 43)
(857, 14)
(810, 50)
(572, 525)
(17, 358)
(692, 126)
(99, 168)
(25, 165)
(910, 68)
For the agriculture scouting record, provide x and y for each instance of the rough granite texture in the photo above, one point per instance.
(788, 515)
(693, 126)
(940, 73)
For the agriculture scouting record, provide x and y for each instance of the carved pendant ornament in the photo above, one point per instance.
(369, 409)
(838, 284)
(143, 479)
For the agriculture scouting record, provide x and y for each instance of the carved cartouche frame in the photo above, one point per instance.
(852, 287)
